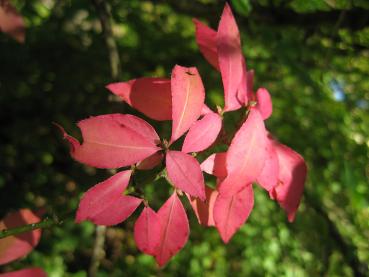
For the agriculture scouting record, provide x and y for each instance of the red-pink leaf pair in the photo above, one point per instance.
(188, 95)
(222, 49)
(16, 247)
(164, 233)
(236, 170)
(159, 234)
(245, 160)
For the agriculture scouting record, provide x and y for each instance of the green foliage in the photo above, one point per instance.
(59, 75)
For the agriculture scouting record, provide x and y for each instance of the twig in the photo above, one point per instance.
(46, 223)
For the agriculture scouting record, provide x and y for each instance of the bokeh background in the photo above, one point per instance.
(313, 56)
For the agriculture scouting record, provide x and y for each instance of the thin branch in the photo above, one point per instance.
(347, 250)
(98, 252)
(46, 223)
(103, 10)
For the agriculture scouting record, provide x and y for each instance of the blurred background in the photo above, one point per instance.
(313, 57)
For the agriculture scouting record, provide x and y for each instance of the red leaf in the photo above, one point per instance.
(204, 209)
(174, 229)
(151, 96)
(28, 272)
(185, 173)
(188, 95)
(15, 247)
(230, 212)
(151, 162)
(250, 86)
(292, 176)
(215, 165)
(123, 90)
(202, 133)
(264, 103)
(137, 125)
(206, 40)
(230, 58)
(147, 231)
(105, 204)
(11, 22)
(246, 154)
(242, 94)
(205, 110)
(268, 177)
(113, 140)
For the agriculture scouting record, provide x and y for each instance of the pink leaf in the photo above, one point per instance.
(204, 209)
(151, 96)
(230, 212)
(205, 110)
(137, 125)
(264, 103)
(105, 204)
(185, 173)
(292, 176)
(268, 177)
(246, 154)
(206, 40)
(215, 165)
(151, 162)
(147, 231)
(230, 58)
(242, 94)
(174, 229)
(113, 140)
(250, 86)
(202, 133)
(188, 95)
(11, 22)
(28, 272)
(123, 90)
(15, 247)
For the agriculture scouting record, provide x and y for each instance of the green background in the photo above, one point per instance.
(313, 57)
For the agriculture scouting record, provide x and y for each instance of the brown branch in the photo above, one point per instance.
(104, 12)
(98, 252)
